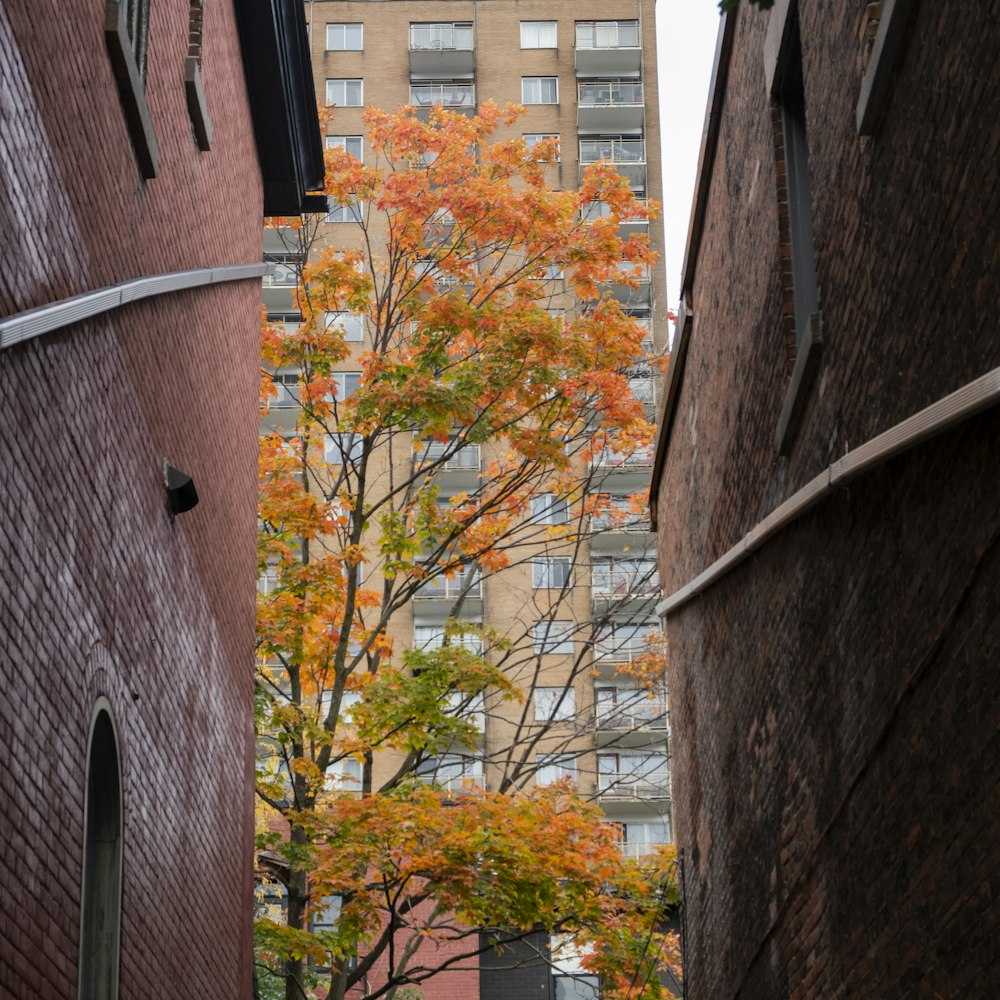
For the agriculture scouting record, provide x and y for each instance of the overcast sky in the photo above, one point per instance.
(686, 32)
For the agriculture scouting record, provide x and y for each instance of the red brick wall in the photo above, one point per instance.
(835, 697)
(101, 593)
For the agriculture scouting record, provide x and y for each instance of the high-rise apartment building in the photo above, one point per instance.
(586, 76)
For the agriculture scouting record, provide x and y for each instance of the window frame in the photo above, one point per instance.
(349, 333)
(345, 142)
(553, 637)
(360, 47)
(528, 81)
(559, 765)
(537, 26)
(549, 508)
(551, 572)
(556, 704)
(345, 80)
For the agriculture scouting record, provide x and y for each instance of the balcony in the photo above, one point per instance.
(630, 468)
(614, 580)
(617, 515)
(637, 295)
(624, 643)
(643, 389)
(627, 226)
(441, 592)
(607, 48)
(628, 708)
(633, 776)
(452, 96)
(613, 105)
(441, 49)
(278, 287)
(454, 467)
(627, 155)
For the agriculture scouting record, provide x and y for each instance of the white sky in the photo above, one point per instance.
(686, 31)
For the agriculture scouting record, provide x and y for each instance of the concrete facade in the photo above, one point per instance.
(833, 676)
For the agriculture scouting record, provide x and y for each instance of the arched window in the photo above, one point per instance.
(100, 910)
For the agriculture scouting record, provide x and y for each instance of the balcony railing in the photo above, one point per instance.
(442, 587)
(625, 578)
(441, 37)
(624, 644)
(448, 95)
(633, 708)
(465, 459)
(619, 518)
(609, 94)
(627, 152)
(608, 458)
(607, 34)
(283, 276)
(640, 850)
(627, 784)
(435, 640)
(593, 210)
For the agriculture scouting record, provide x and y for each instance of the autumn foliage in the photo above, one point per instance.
(489, 329)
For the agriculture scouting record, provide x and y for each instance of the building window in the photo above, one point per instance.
(344, 37)
(126, 24)
(632, 774)
(447, 93)
(555, 767)
(100, 908)
(451, 772)
(538, 35)
(547, 508)
(345, 93)
(352, 144)
(353, 212)
(342, 447)
(346, 383)
(553, 636)
(803, 335)
(550, 272)
(352, 324)
(532, 139)
(432, 637)
(539, 90)
(555, 704)
(550, 572)
(344, 775)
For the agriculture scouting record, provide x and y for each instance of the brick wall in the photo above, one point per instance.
(102, 594)
(834, 697)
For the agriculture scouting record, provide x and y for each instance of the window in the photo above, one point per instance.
(532, 139)
(126, 26)
(553, 637)
(352, 144)
(547, 508)
(345, 93)
(550, 572)
(447, 93)
(551, 272)
(538, 35)
(344, 37)
(346, 383)
(637, 839)
(343, 446)
(344, 775)
(539, 90)
(100, 907)
(353, 325)
(555, 767)
(352, 212)
(555, 704)
(803, 329)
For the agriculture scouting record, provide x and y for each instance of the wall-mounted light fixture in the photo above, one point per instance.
(181, 494)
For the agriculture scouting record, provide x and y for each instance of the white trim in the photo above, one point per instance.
(966, 402)
(45, 319)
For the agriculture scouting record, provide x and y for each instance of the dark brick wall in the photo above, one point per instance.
(101, 594)
(835, 698)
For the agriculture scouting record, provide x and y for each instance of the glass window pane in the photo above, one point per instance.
(538, 34)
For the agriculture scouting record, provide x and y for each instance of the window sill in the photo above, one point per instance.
(800, 384)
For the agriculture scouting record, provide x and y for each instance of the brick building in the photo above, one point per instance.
(826, 501)
(131, 197)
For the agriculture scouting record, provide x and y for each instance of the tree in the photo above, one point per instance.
(493, 338)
